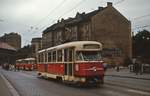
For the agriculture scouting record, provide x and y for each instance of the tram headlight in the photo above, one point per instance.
(83, 79)
(77, 67)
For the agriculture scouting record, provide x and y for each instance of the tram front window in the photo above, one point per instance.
(88, 56)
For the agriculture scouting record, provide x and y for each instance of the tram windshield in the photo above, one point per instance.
(88, 55)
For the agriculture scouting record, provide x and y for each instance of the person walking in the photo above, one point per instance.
(138, 66)
(117, 68)
(105, 66)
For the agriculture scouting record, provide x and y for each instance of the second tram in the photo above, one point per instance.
(74, 62)
(26, 64)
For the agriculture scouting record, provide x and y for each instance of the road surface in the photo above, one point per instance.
(27, 84)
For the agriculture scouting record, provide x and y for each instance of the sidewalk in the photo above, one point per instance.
(125, 73)
(4, 90)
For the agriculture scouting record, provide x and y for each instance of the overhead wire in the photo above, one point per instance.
(138, 18)
(70, 10)
(146, 15)
(137, 27)
(35, 27)
(51, 12)
(119, 2)
(77, 5)
(67, 12)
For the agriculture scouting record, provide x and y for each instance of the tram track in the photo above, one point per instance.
(127, 86)
(109, 86)
(29, 85)
(106, 82)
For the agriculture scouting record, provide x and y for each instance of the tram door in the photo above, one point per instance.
(68, 59)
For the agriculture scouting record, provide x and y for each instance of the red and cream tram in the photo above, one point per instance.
(25, 64)
(74, 62)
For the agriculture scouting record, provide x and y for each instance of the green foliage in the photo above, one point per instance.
(127, 61)
(141, 44)
(24, 52)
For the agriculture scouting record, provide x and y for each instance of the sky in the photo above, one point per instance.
(30, 17)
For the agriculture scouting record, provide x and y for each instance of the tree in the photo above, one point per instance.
(127, 61)
(141, 44)
(24, 52)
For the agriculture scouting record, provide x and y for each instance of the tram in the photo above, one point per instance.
(26, 64)
(76, 62)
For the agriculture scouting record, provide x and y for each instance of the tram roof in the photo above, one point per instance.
(29, 59)
(72, 44)
(26, 59)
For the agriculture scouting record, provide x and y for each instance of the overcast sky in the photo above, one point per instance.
(30, 17)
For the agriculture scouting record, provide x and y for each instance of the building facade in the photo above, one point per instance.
(36, 46)
(13, 39)
(7, 54)
(106, 25)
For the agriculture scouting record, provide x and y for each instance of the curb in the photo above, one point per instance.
(13, 91)
(128, 77)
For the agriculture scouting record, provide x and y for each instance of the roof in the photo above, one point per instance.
(80, 17)
(78, 44)
(6, 46)
(27, 59)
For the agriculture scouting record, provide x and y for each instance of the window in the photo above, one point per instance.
(59, 55)
(54, 56)
(49, 57)
(91, 46)
(42, 57)
(65, 55)
(88, 56)
(38, 58)
(70, 54)
(116, 52)
(45, 57)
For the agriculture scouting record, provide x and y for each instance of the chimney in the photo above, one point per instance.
(100, 8)
(109, 4)
(58, 21)
(62, 20)
(83, 13)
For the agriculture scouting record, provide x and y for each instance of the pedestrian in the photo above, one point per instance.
(140, 68)
(105, 66)
(117, 68)
(15, 68)
(136, 68)
(18, 68)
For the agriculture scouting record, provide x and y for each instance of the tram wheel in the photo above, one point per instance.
(59, 79)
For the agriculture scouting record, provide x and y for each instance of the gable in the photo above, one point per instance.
(113, 13)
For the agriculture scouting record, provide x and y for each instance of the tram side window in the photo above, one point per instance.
(28, 62)
(70, 54)
(49, 57)
(79, 56)
(54, 56)
(45, 55)
(39, 58)
(65, 55)
(42, 57)
(59, 55)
